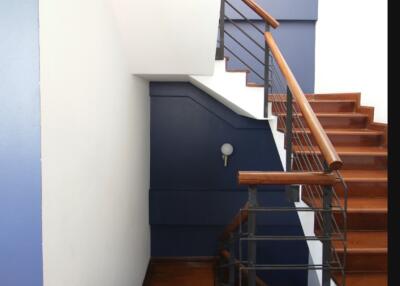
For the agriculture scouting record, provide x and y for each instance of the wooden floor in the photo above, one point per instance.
(182, 273)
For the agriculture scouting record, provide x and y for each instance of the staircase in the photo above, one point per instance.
(331, 148)
(361, 144)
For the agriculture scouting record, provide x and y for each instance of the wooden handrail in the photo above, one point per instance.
(262, 13)
(286, 178)
(237, 220)
(324, 143)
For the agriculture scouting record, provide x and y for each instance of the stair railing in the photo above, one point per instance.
(312, 165)
(269, 22)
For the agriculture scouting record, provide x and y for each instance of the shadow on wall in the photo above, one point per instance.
(193, 196)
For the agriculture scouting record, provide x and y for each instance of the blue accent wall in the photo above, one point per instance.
(282, 10)
(193, 196)
(295, 37)
(20, 169)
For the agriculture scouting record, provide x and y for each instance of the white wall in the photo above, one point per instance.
(351, 50)
(95, 150)
(174, 37)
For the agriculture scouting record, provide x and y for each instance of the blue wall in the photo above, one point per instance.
(282, 10)
(20, 183)
(295, 37)
(193, 196)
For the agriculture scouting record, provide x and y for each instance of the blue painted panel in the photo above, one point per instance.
(186, 138)
(213, 207)
(279, 9)
(193, 196)
(173, 240)
(20, 177)
(296, 40)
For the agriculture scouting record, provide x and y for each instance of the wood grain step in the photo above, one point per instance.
(328, 105)
(363, 213)
(355, 205)
(365, 175)
(330, 120)
(235, 70)
(358, 142)
(363, 279)
(366, 183)
(366, 251)
(355, 96)
(364, 157)
(341, 137)
(364, 241)
(253, 84)
(184, 272)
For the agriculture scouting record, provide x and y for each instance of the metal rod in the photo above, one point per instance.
(244, 17)
(231, 281)
(220, 49)
(288, 209)
(246, 49)
(252, 246)
(243, 62)
(289, 133)
(244, 32)
(291, 238)
(266, 75)
(327, 229)
(290, 267)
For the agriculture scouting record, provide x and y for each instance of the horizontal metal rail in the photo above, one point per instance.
(243, 62)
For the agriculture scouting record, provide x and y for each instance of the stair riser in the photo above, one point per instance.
(362, 279)
(363, 221)
(365, 261)
(363, 189)
(358, 221)
(349, 162)
(342, 139)
(320, 106)
(329, 122)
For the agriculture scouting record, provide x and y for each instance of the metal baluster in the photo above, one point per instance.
(327, 233)
(289, 131)
(220, 49)
(252, 246)
(231, 242)
(266, 75)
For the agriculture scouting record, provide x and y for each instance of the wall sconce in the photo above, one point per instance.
(227, 150)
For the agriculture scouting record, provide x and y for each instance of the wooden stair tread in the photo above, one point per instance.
(345, 150)
(328, 100)
(253, 84)
(364, 175)
(363, 279)
(342, 131)
(185, 273)
(237, 70)
(321, 96)
(330, 114)
(355, 204)
(361, 204)
(364, 241)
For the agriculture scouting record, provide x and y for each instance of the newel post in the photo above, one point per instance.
(252, 246)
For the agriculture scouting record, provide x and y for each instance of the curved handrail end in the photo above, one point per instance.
(262, 13)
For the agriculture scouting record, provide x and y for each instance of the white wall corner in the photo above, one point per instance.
(347, 60)
(172, 37)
